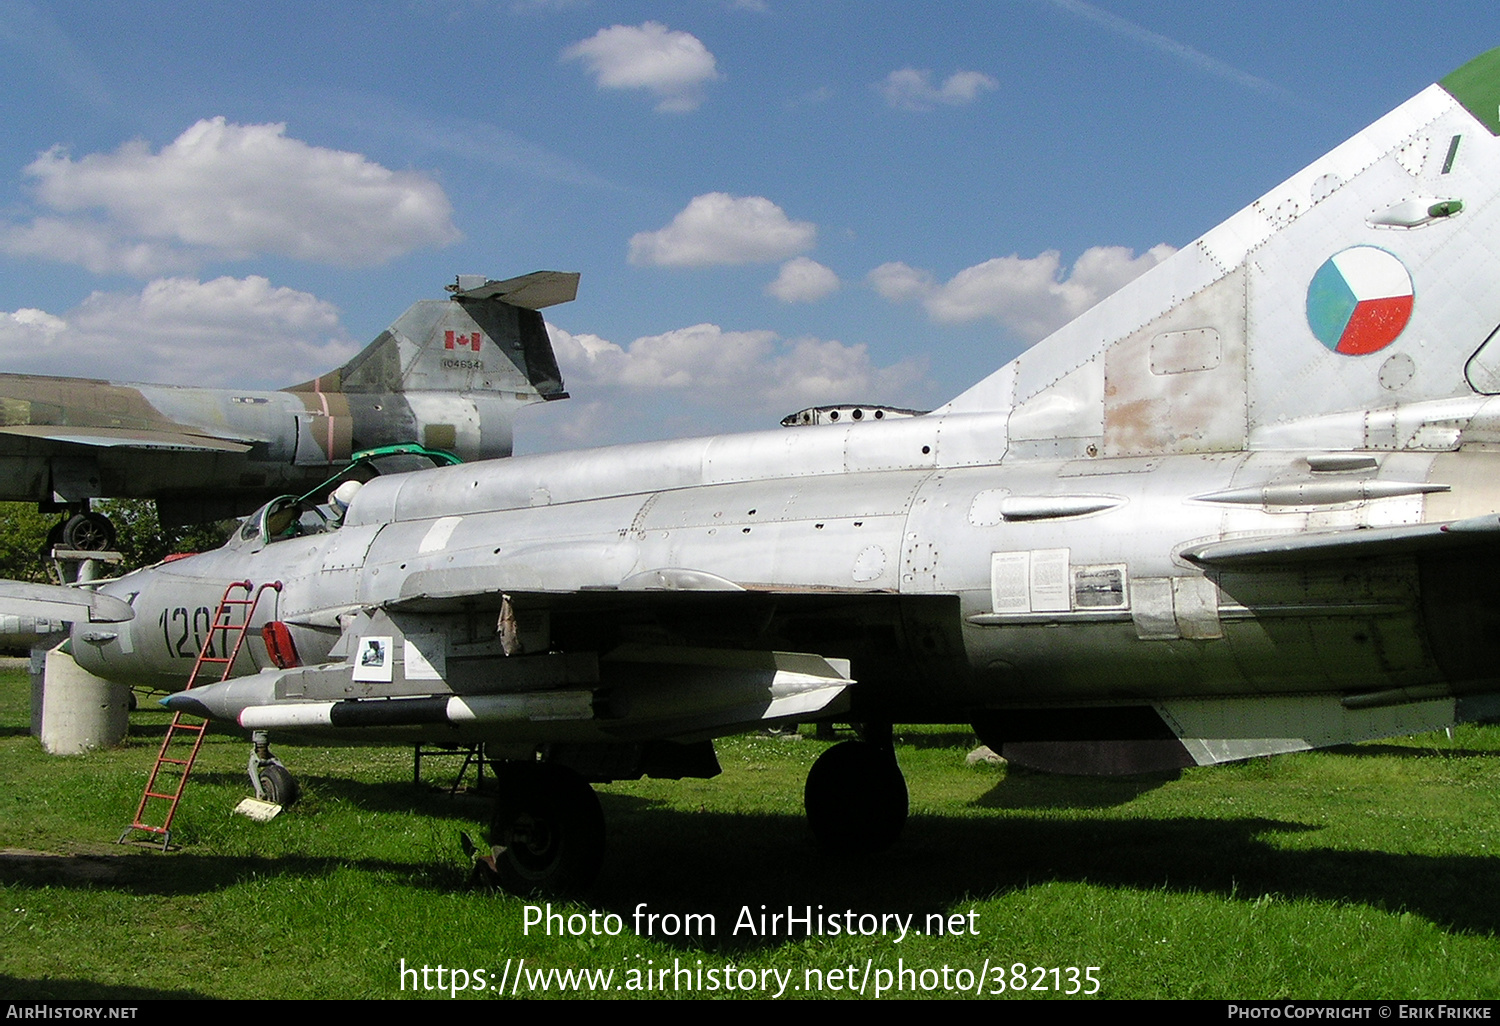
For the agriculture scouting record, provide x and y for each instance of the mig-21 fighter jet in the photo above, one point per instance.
(1248, 504)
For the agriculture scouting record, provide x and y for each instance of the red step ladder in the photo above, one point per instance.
(185, 734)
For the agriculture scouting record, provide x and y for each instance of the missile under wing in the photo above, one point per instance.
(448, 374)
(1248, 504)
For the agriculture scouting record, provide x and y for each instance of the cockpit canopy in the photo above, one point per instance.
(293, 516)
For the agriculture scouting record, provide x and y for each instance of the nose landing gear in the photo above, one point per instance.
(272, 781)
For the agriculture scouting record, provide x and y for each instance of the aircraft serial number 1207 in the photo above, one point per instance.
(1247, 504)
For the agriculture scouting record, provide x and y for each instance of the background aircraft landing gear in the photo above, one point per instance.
(856, 797)
(272, 781)
(549, 827)
(83, 531)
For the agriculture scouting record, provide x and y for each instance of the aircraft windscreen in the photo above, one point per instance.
(282, 518)
(401, 463)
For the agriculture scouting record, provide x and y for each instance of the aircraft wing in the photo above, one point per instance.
(485, 586)
(417, 671)
(69, 605)
(173, 441)
(672, 654)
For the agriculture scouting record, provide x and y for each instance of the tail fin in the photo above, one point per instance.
(488, 338)
(1362, 287)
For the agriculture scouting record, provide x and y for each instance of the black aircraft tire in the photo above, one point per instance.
(278, 786)
(88, 532)
(856, 798)
(549, 823)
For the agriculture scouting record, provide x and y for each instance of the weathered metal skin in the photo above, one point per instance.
(449, 374)
(910, 550)
(1247, 504)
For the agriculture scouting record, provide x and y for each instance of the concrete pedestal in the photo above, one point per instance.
(78, 711)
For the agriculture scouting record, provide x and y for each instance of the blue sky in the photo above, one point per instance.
(773, 203)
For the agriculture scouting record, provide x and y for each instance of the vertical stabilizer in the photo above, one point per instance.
(1368, 281)
(488, 338)
(450, 374)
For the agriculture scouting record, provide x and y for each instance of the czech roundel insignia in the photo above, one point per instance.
(1359, 301)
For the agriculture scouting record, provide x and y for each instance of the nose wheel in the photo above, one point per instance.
(272, 781)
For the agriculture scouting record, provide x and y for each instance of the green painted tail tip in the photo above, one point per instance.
(1476, 85)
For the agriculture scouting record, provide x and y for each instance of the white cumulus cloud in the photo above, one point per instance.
(702, 380)
(673, 66)
(912, 89)
(223, 191)
(803, 280)
(1030, 295)
(813, 372)
(734, 368)
(703, 356)
(241, 332)
(900, 282)
(29, 325)
(93, 245)
(717, 228)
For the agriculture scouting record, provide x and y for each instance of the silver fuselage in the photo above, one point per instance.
(954, 579)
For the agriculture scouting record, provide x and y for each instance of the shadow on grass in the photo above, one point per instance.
(56, 989)
(178, 873)
(1024, 789)
(719, 863)
(430, 798)
(724, 863)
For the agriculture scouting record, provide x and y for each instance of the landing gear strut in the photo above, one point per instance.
(856, 797)
(272, 781)
(548, 828)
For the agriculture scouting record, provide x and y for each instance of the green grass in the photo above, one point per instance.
(1367, 872)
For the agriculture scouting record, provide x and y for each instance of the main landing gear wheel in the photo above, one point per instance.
(550, 828)
(856, 797)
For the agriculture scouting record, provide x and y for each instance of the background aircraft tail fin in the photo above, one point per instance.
(1363, 286)
(488, 338)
